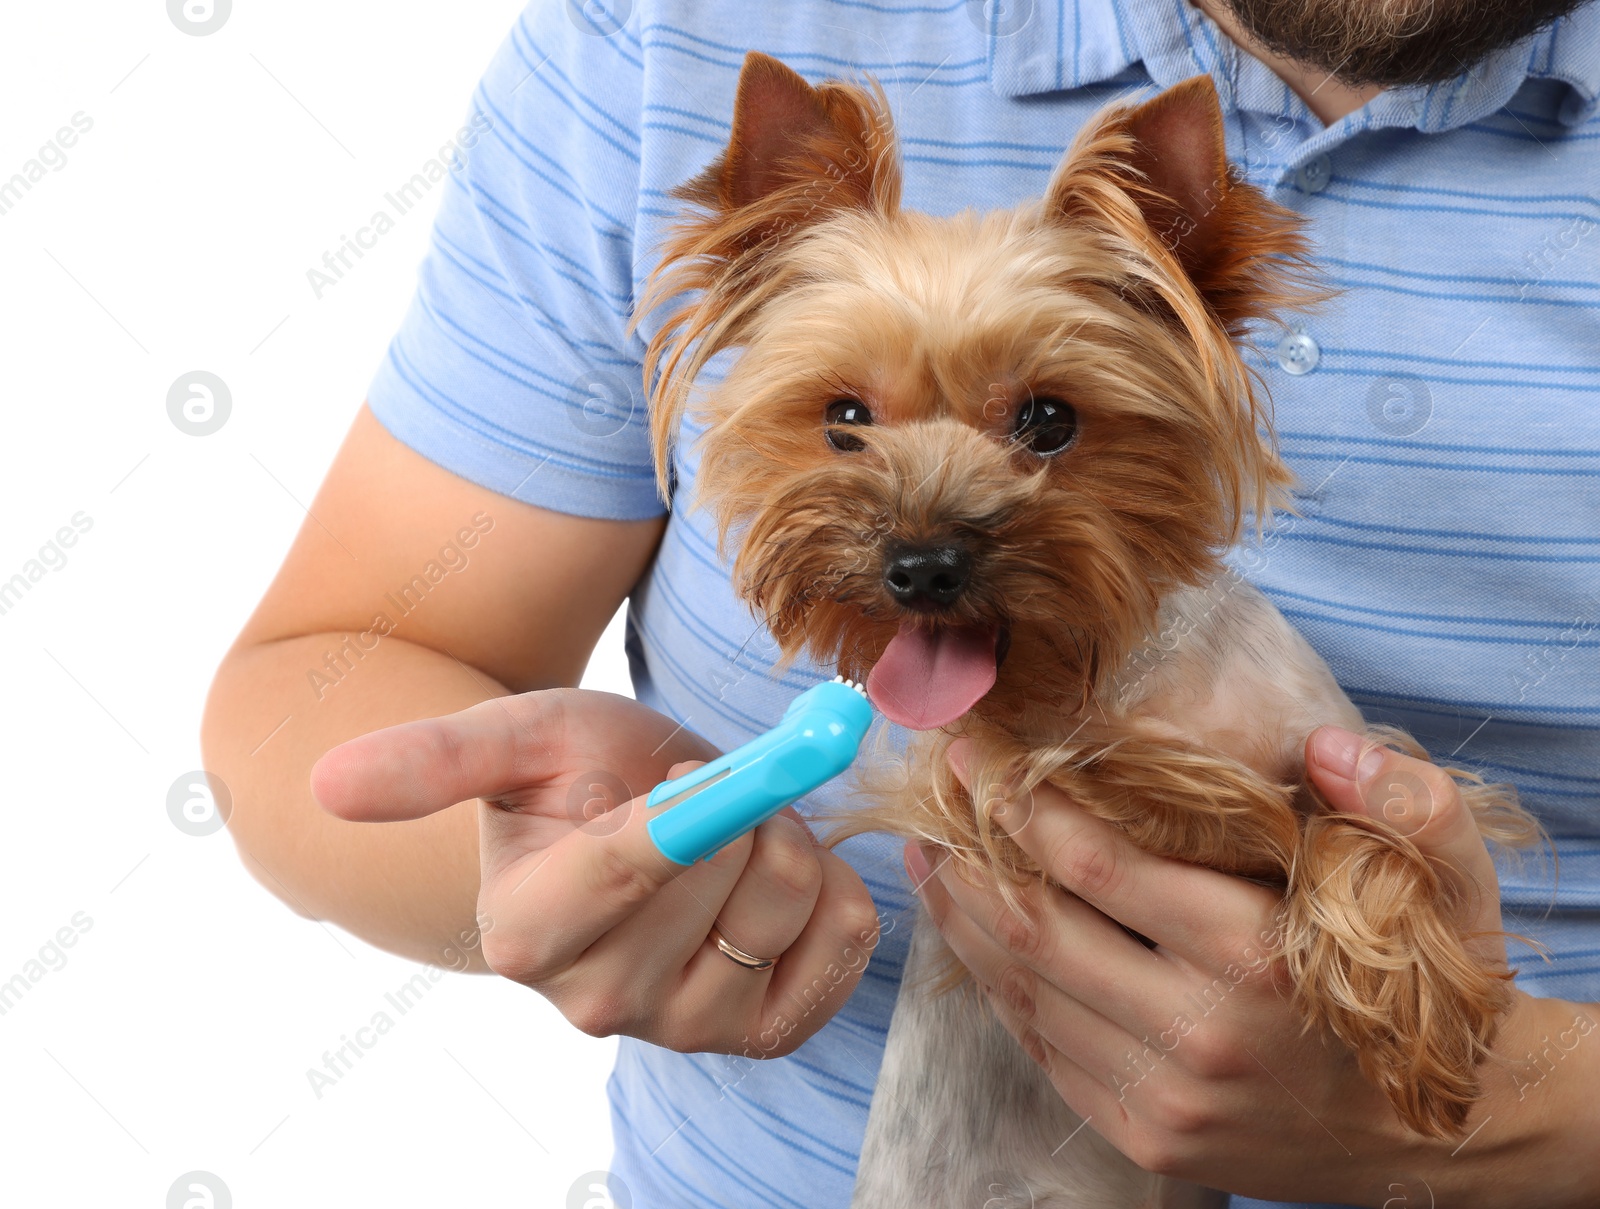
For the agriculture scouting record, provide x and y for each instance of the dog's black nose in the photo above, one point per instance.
(927, 577)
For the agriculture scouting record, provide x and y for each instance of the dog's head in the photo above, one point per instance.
(969, 455)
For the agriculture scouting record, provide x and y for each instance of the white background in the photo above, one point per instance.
(177, 236)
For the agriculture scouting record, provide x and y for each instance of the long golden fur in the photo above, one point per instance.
(1123, 289)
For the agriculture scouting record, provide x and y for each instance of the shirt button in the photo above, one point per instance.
(1313, 175)
(1298, 354)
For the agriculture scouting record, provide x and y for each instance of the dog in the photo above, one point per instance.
(990, 465)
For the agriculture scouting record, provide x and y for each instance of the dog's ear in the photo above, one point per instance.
(1186, 236)
(797, 155)
(1161, 168)
(1179, 148)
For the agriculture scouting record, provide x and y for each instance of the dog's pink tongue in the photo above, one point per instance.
(926, 679)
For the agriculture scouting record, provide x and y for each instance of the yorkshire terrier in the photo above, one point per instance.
(990, 464)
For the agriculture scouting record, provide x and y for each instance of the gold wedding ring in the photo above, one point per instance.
(739, 957)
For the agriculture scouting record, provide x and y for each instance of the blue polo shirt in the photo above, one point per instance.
(1443, 416)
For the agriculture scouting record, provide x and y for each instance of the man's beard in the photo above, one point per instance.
(1393, 42)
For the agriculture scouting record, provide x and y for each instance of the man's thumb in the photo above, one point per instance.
(1419, 800)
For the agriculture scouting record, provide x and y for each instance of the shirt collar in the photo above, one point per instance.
(1038, 46)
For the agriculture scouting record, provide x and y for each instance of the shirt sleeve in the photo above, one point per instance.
(511, 367)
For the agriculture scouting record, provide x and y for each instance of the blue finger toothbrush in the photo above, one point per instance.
(715, 804)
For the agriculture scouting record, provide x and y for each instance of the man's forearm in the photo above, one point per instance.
(274, 709)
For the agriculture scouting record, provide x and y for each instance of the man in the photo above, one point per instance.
(1440, 415)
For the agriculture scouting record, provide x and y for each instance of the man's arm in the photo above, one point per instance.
(382, 613)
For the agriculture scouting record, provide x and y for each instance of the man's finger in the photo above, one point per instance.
(552, 904)
(1183, 907)
(817, 973)
(1061, 957)
(1418, 799)
(500, 748)
(418, 768)
(1103, 1108)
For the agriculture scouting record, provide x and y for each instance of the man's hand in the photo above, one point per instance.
(575, 900)
(1187, 1057)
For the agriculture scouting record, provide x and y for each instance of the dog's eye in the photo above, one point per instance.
(842, 413)
(1045, 425)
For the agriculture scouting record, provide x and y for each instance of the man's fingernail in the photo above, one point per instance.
(1371, 763)
(917, 867)
(1335, 748)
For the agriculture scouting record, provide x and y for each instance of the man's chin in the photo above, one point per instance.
(1388, 44)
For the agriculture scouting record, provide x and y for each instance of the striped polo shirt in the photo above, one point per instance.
(1443, 417)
